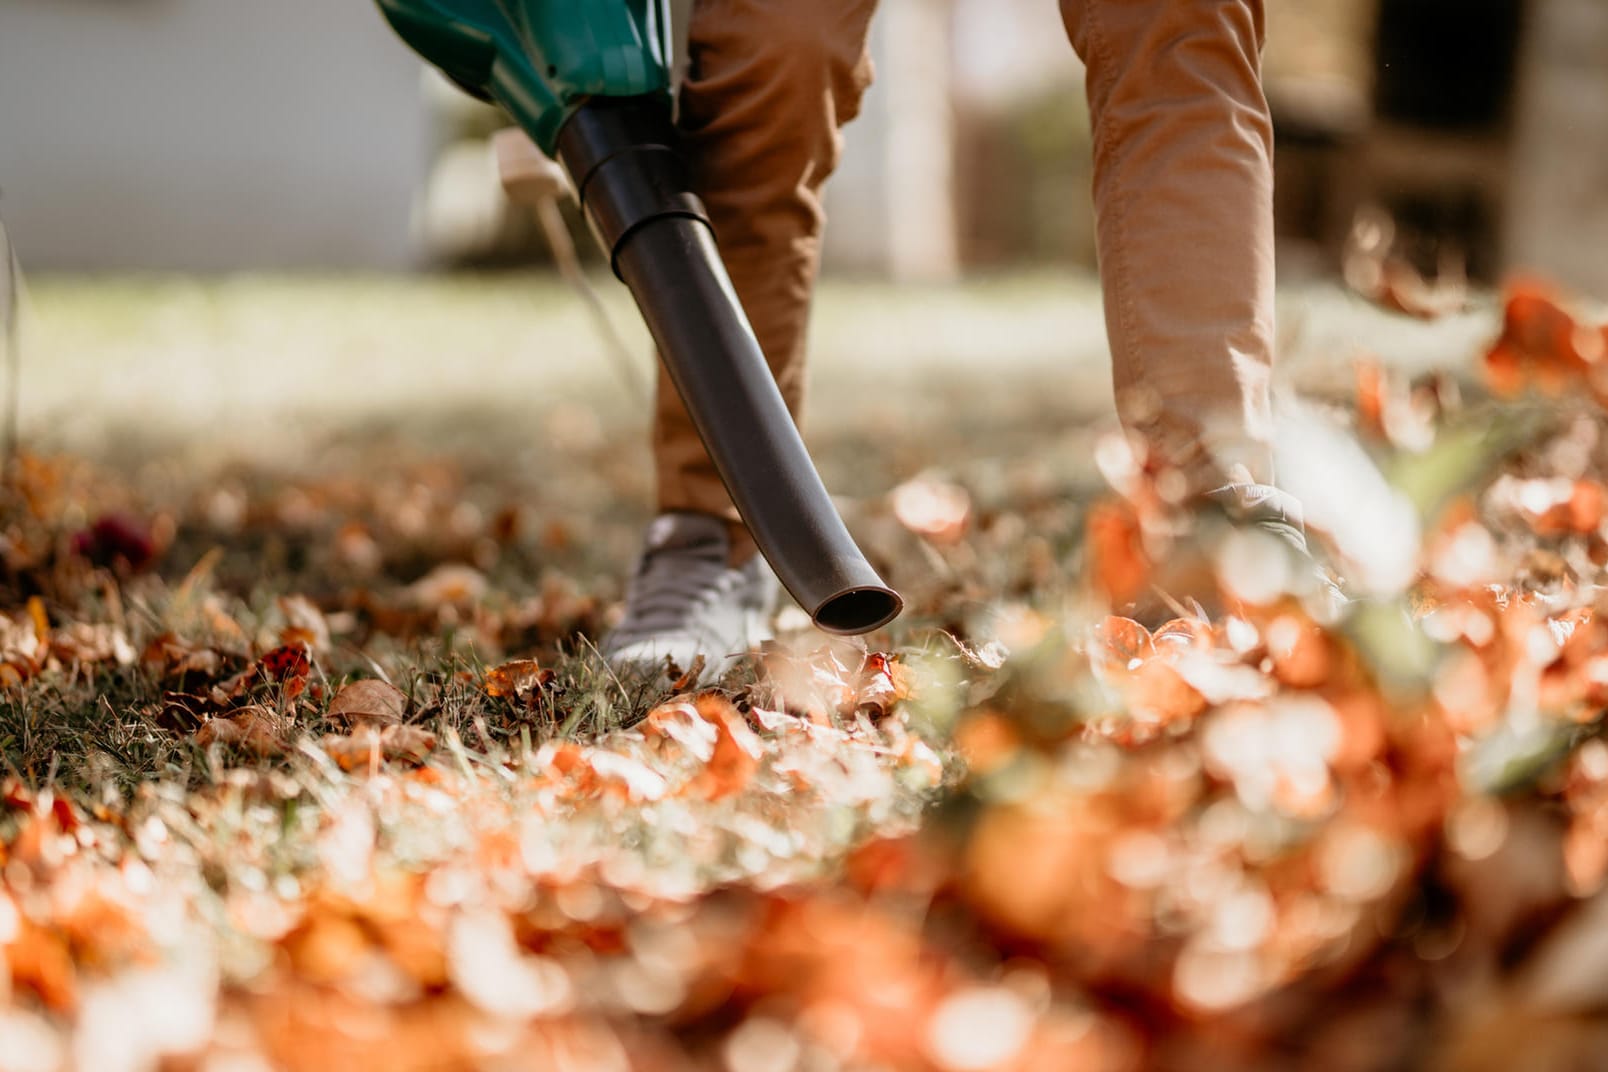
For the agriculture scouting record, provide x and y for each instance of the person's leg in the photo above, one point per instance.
(769, 84)
(1183, 193)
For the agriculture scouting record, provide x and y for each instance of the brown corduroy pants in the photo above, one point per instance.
(1183, 187)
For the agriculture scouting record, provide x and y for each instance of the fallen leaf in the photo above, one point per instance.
(84, 642)
(254, 729)
(451, 584)
(287, 663)
(304, 624)
(369, 701)
(882, 684)
(516, 679)
(169, 657)
(1117, 566)
(633, 779)
(689, 677)
(681, 723)
(42, 965)
(736, 754)
(524, 683)
(934, 508)
(366, 744)
(1121, 646)
(118, 539)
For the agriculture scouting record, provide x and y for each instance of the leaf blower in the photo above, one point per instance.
(589, 81)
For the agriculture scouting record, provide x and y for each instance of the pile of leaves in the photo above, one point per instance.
(1134, 792)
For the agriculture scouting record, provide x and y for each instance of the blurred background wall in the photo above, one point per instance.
(226, 134)
(208, 135)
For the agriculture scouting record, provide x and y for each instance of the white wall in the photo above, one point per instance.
(207, 134)
(1558, 214)
(890, 207)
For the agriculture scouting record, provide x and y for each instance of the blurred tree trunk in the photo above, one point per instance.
(1558, 218)
(920, 146)
(891, 206)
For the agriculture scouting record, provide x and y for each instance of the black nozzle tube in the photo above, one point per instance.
(672, 267)
(661, 245)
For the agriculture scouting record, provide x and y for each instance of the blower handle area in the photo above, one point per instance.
(621, 155)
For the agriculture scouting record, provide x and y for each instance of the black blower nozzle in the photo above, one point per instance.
(621, 154)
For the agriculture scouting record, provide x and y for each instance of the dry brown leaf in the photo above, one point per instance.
(169, 657)
(883, 683)
(25, 640)
(934, 508)
(84, 642)
(410, 743)
(255, 729)
(366, 745)
(519, 680)
(369, 701)
(451, 584)
(689, 677)
(304, 624)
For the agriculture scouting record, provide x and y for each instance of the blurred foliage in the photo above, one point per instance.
(1023, 181)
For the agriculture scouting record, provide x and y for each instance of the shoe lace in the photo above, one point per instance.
(670, 587)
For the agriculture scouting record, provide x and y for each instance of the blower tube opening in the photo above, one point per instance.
(858, 610)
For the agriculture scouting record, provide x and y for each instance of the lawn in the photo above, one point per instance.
(309, 760)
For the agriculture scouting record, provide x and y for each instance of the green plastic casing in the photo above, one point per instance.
(541, 59)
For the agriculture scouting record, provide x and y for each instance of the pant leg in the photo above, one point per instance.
(769, 84)
(1183, 194)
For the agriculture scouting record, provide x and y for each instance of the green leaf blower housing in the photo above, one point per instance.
(589, 81)
(541, 59)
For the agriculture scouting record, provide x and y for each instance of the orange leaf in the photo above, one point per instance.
(1121, 645)
(1300, 650)
(987, 741)
(523, 682)
(1159, 691)
(41, 620)
(1371, 397)
(42, 965)
(366, 745)
(1117, 564)
(1541, 344)
(736, 753)
(681, 723)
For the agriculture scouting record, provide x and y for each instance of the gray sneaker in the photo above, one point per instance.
(1273, 511)
(684, 600)
(1279, 514)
